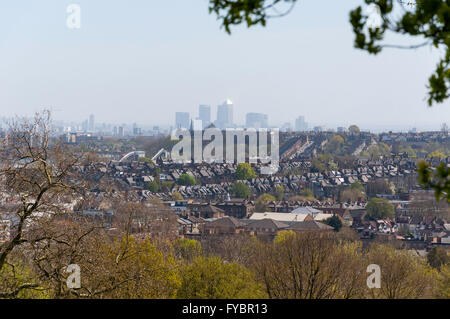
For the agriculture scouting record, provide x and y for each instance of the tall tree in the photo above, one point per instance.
(212, 278)
(42, 178)
(379, 208)
(245, 171)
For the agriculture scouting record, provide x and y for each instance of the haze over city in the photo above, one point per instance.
(164, 57)
(225, 158)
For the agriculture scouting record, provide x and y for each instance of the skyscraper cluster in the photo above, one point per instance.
(204, 115)
(182, 120)
(224, 117)
(256, 120)
(300, 124)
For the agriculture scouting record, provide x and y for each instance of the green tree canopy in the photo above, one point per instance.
(186, 180)
(323, 162)
(334, 145)
(283, 236)
(261, 202)
(177, 196)
(279, 191)
(187, 249)
(153, 186)
(354, 129)
(145, 159)
(335, 222)
(379, 208)
(240, 190)
(212, 278)
(438, 179)
(437, 257)
(380, 186)
(245, 171)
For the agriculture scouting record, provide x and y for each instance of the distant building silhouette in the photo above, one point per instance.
(204, 115)
(182, 120)
(225, 115)
(300, 124)
(91, 125)
(256, 120)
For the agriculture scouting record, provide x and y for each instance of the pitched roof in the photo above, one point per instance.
(305, 210)
(227, 221)
(283, 217)
(310, 225)
(267, 223)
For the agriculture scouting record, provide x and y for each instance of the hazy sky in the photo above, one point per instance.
(143, 60)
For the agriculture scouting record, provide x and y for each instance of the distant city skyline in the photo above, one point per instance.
(137, 126)
(147, 67)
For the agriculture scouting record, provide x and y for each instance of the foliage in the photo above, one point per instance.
(443, 289)
(437, 257)
(153, 145)
(240, 190)
(308, 266)
(334, 222)
(438, 180)
(358, 186)
(380, 186)
(13, 279)
(403, 274)
(353, 129)
(283, 236)
(187, 249)
(379, 208)
(334, 145)
(354, 192)
(145, 160)
(427, 19)
(346, 161)
(245, 171)
(377, 150)
(177, 196)
(236, 12)
(212, 278)
(437, 154)
(39, 175)
(279, 191)
(406, 149)
(322, 163)
(153, 274)
(186, 180)
(166, 186)
(305, 194)
(261, 202)
(152, 186)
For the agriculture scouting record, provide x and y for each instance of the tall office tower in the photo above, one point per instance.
(204, 115)
(300, 124)
(121, 132)
(91, 125)
(115, 131)
(182, 120)
(85, 126)
(256, 120)
(225, 115)
(137, 131)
